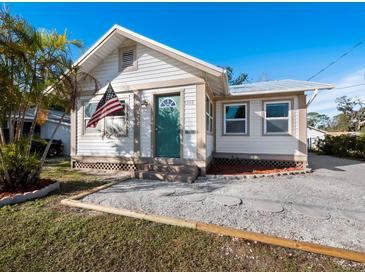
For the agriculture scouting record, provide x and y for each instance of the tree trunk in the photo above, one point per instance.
(32, 128)
(2, 137)
(2, 143)
(20, 124)
(11, 127)
(44, 156)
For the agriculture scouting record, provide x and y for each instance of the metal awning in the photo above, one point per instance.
(277, 86)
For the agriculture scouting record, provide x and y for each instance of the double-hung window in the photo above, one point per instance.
(89, 109)
(235, 119)
(209, 115)
(277, 117)
(116, 123)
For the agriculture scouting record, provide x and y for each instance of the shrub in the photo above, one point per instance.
(343, 146)
(19, 166)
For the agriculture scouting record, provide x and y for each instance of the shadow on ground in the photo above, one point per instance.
(317, 161)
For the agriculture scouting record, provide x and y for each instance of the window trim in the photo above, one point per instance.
(210, 114)
(247, 119)
(289, 118)
(120, 54)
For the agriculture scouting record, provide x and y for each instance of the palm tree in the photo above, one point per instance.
(36, 72)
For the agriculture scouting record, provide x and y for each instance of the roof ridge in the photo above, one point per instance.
(117, 27)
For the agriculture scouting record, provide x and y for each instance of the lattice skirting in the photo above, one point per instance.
(104, 166)
(261, 163)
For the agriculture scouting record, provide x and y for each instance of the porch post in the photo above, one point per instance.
(137, 123)
(201, 127)
(302, 108)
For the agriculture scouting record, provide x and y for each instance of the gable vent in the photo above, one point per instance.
(128, 58)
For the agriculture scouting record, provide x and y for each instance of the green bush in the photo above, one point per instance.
(18, 165)
(343, 146)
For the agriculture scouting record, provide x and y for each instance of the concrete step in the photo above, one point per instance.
(164, 176)
(173, 169)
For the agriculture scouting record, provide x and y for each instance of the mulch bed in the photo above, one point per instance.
(246, 170)
(12, 192)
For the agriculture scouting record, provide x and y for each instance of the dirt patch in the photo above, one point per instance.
(240, 169)
(12, 192)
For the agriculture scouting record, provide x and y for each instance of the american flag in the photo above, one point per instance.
(107, 105)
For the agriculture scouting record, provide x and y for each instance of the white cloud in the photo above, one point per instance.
(325, 101)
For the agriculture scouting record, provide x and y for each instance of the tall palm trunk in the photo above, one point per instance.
(3, 167)
(45, 153)
(20, 123)
(36, 172)
(32, 128)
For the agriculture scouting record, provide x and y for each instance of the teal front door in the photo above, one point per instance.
(167, 126)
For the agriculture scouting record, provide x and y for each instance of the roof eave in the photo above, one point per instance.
(280, 91)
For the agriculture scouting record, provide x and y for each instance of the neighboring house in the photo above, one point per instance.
(45, 131)
(63, 133)
(180, 110)
(313, 135)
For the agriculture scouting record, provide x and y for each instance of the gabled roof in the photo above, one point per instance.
(277, 86)
(317, 129)
(115, 35)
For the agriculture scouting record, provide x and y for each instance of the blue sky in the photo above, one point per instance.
(266, 40)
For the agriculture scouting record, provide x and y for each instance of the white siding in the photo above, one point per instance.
(89, 145)
(256, 143)
(190, 137)
(315, 134)
(210, 145)
(189, 140)
(152, 66)
(62, 133)
(146, 124)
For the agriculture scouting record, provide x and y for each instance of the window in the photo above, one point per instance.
(235, 119)
(277, 120)
(127, 59)
(89, 109)
(116, 123)
(208, 115)
(168, 103)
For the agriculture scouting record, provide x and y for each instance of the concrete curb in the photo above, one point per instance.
(20, 198)
(216, 229)
(254, 176)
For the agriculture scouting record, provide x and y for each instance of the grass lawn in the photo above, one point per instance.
(43, 235)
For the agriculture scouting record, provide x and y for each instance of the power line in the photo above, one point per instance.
(351, 86)
(335, 61)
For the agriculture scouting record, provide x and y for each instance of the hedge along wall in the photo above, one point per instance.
(343, 146)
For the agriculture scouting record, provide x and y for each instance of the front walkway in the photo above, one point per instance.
(325, 207)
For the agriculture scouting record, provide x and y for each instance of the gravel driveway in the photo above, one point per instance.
(325, 207)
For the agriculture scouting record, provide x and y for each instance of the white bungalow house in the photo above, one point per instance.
(181, 114)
